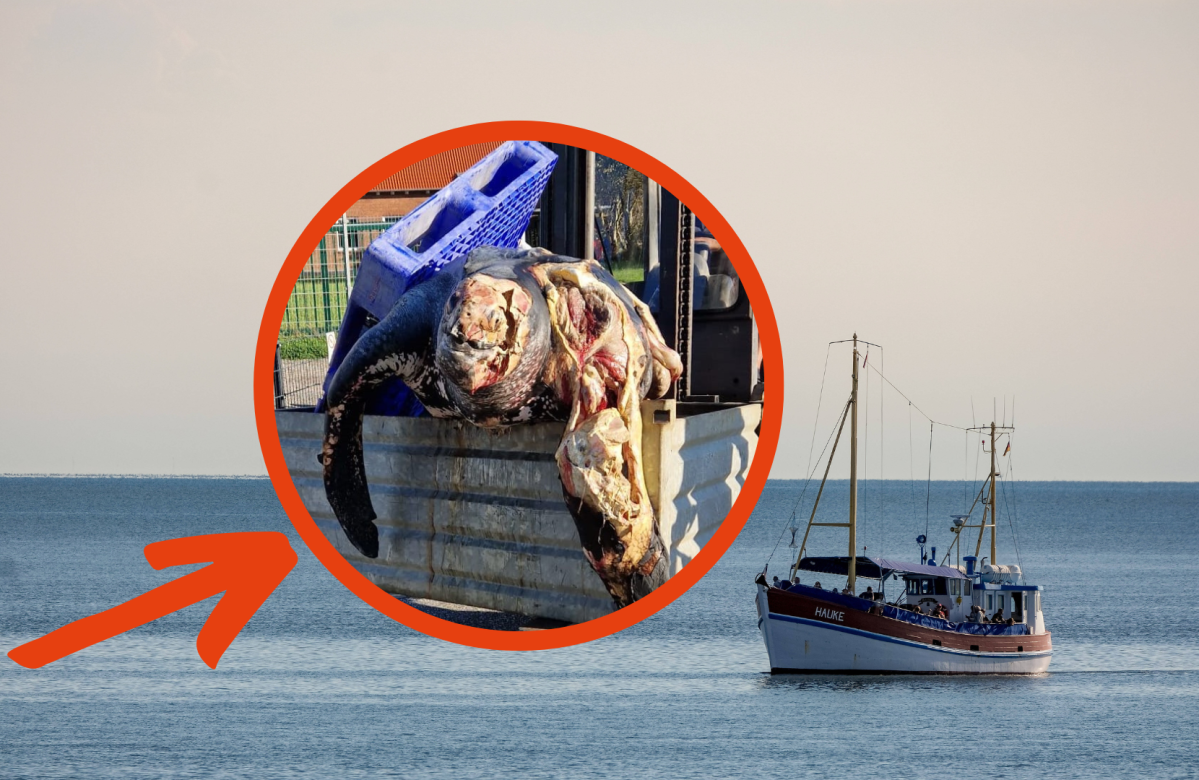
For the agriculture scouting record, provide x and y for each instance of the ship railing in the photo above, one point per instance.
(898, 613)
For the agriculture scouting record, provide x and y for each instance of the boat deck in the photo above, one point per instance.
(851, 614)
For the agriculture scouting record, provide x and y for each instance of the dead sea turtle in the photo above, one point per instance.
(514, 336)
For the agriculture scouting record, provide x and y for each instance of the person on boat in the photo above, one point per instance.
(977, 615)
(998, 616)
(918, 609)
(869, 594)
(817, 585)
(845, 591)
(775, 582)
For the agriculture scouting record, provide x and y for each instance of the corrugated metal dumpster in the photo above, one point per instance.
(476, 517)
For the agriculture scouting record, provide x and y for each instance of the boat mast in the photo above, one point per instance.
(993, 516)
(853, 473)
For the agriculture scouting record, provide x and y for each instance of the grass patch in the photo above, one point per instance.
(304, 348)
(628, 273)
(316, 306)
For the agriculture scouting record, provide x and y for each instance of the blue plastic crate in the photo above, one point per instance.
(488, 205)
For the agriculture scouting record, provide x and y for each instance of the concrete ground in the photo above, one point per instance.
(302, 380)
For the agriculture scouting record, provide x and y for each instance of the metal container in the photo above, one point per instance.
(476, 517)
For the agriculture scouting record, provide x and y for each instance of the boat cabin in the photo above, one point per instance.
(1022, 603)
(924, 584)
(958, 589)
(954, 593)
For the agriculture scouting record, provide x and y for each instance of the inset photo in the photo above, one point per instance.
(519, 385)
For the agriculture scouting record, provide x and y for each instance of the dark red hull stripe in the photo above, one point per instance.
(883, 638)
(784, 604)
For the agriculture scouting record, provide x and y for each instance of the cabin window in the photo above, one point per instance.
(914, 587)
(969, 587)
(990, 602)
(926, 587)
(939, 583)
(1018, 607)
(955, 588)
(1001, 604)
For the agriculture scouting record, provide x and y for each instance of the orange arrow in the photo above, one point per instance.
(246, 566)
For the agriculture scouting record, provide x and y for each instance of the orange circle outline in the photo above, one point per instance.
(390, 605)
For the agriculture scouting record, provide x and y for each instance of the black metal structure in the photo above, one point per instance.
(561, 219)
(676, 225)
(719, 347)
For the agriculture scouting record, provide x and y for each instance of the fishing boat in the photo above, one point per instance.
(947, 619)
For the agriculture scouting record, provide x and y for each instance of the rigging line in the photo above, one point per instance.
(977, 436)
(1003, 492)
(865, 441)
(882, 451)
(911, 462)
(965, 468)
(808, 482)
(1011, 466)
(978, 445)
(811, 449)
(819, 399)
(928, 491)
(909, 400)
(799, 500)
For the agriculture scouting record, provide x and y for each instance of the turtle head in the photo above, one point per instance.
(492, 343)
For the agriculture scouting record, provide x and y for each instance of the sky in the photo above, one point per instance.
(1004, 195)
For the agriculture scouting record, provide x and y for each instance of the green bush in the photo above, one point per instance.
(304, 348)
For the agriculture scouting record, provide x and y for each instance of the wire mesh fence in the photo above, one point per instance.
(317, 305)
(315, 309)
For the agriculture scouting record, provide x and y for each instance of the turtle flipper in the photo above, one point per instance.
(605, 357)
(400, 345)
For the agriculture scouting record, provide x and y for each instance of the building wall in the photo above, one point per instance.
(374, 209)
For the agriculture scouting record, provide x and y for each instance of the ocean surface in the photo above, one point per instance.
(321, 685)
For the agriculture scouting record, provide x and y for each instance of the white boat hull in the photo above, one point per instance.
(798, 645)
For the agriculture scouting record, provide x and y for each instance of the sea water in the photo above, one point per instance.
(321, 685)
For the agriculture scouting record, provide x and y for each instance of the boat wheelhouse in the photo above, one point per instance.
(940, 618)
